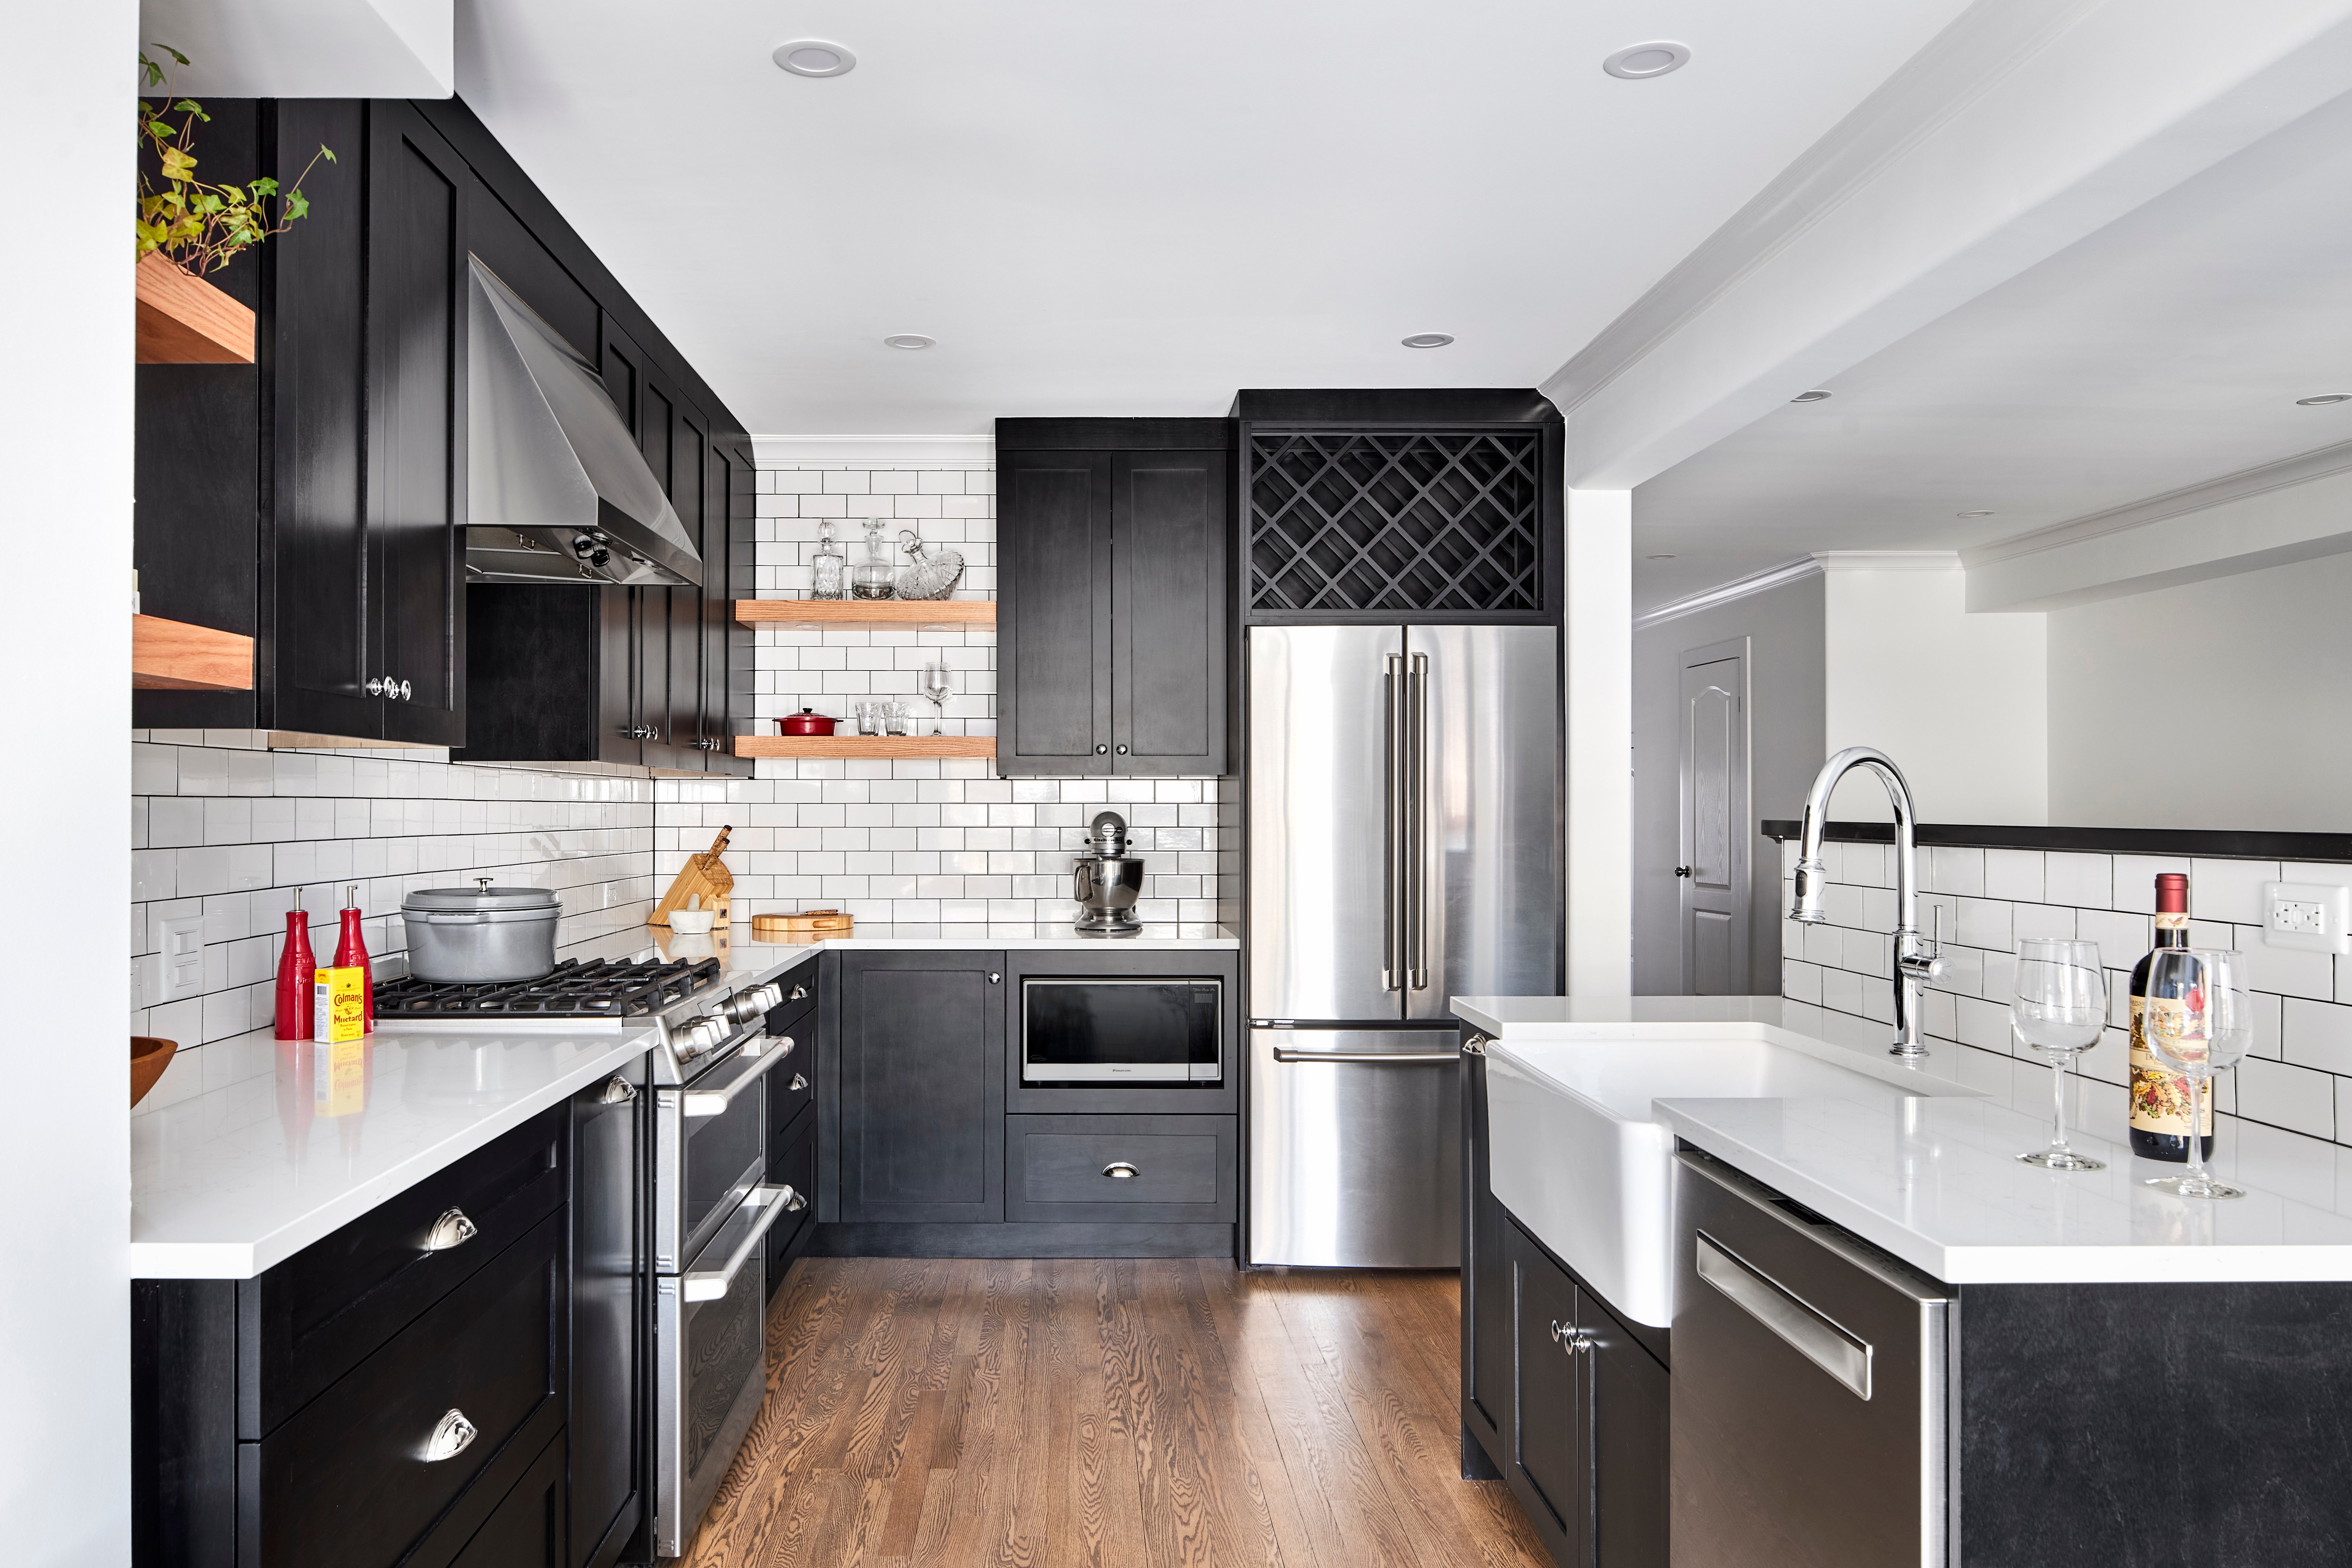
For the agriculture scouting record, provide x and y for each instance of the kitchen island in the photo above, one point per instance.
(1811, 1309)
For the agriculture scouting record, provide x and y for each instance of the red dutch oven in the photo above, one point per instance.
(808, 721)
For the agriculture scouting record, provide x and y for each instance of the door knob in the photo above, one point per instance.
(1681, 871)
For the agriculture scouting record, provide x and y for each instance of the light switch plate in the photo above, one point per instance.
(2316, 917)
(180, 962)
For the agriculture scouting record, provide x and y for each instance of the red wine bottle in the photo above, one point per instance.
(2159, 1097)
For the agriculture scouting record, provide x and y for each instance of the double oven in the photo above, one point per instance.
(713, 1207)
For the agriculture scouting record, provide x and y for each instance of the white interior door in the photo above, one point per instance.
(1713, 870)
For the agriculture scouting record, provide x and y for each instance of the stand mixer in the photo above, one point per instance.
(1108, 880)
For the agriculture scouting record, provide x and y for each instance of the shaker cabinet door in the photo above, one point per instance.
(921, 1062)
(417, 422)
(1169, 631)
(1550, 1455)
(1054, 605)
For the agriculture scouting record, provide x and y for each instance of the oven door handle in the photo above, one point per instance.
(716, 1101)
(710, 1284)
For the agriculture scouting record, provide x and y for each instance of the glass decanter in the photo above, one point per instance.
(828, 569)
(874, 577)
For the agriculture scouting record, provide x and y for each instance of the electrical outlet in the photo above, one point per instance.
(2313, 916)
(179, 965)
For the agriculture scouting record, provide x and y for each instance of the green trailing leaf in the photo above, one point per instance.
(198, 226)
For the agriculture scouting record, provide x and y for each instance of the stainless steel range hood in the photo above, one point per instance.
(556, 488)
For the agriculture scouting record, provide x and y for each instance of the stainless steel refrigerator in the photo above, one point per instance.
(1405, 847)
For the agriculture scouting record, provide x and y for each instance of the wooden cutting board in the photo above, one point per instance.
(801, 926)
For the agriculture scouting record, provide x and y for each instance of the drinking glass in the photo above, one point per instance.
(939, 686)
(894, 718)
(2059, 1006)
(2199, 1019)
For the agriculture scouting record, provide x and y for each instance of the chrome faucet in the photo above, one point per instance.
(1915, 959)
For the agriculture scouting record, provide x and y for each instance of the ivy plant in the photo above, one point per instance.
(198, 226)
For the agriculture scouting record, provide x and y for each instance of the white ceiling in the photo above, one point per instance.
(2166, 349)
(1132, 210)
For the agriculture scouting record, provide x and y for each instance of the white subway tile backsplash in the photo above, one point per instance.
(2081, 880)
(2014, 874)
(2296, 1098)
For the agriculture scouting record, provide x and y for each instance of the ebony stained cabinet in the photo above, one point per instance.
(922, 1088)
(1559, 1396)
(1114, 609)
(315, 500)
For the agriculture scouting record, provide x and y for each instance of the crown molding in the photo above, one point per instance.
(1888, 560)
(1764, 582)
(2238, 486)
(872, 451)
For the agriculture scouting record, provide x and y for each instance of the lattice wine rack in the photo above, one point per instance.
(1395, 521)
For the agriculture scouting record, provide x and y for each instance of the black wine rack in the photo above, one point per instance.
(1396, 521)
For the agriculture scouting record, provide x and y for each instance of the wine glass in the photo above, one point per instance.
(2059, 1006)
(939, 686)
(2199, 1019)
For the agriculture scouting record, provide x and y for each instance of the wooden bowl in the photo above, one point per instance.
(149, 1057)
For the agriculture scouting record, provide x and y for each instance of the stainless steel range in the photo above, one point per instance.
(712, 1204)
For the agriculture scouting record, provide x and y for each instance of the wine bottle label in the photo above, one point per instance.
(2160, 1096)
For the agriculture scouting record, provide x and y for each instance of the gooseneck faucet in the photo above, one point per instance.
(1915, 959)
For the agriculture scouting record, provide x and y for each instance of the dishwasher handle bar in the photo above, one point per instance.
(1804, 1330)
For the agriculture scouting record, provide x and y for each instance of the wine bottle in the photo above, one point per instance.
(2159, 1097)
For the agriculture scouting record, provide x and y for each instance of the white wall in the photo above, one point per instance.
(1959, 701)
(2252, 671)
(1599, 600)
(65, 1133)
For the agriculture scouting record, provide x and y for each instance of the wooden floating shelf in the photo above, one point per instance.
(173, 656)
(184, 320)
(982, 746)
(866, 611)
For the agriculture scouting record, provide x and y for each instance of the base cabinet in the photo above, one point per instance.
(922, 1096)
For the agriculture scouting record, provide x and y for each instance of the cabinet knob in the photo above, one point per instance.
(378, 686)
(404, 691)
(452, 1229)
(1571, 1338)
(993, 976)
(452, 1434)
(1120, 1170)
(1099, 750)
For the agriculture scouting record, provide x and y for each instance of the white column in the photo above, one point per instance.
(65, 1133)
(1599, 601)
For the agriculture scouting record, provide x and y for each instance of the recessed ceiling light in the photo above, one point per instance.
(1646, 61)
(2323, 400)
(1816, 395)
(909, 340)
(1983, 514)
(815, 58)
(1429, 339)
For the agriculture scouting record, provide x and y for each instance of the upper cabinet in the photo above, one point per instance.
(1114, 623)
(315, 501)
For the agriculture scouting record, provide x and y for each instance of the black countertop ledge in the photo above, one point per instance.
(2179, 844)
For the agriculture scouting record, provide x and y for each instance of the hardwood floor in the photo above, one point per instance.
(1144, 1412)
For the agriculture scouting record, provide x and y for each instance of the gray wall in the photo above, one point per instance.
(1785, 679)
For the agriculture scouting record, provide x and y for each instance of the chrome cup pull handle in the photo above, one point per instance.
(1121, 1170)
(619, 1092)
(452, 1434)
(452, 1229)
(797, 1085)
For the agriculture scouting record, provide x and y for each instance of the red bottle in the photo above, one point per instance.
(350, 947)
(296, 970)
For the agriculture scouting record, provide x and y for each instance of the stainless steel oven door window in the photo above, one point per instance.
(709, 1148)
(1157, 1030)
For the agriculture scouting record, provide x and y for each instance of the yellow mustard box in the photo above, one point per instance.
(338, 1003)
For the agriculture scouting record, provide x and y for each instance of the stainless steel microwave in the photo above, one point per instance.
(1089, 1029)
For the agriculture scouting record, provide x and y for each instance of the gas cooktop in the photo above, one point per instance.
(601, 988)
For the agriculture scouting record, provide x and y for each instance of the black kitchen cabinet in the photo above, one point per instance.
(1486, 1286)
(315, 501)
(1586, 1431)
(610, 1322)
(922, 1101)
(1114, 608)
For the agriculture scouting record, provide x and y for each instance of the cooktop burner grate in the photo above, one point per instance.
(604, 987)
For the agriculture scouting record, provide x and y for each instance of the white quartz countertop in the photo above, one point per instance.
(230, 1182)
(1933, 1177)
(747, 961)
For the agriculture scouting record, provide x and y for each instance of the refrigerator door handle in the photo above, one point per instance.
(1397, 866)
(1417, 820)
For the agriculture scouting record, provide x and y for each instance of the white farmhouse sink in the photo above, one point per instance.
(1576, 1154)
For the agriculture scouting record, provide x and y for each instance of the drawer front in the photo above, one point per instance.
(791, 1160)
(347, 1480)
(1119, 1169)
(803, 991)
(527, 1529)
(791, 1084)
(323, 1311)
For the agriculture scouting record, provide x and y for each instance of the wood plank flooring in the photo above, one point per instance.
(1126, 1414)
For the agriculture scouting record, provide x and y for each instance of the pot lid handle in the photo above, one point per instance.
(484, 883)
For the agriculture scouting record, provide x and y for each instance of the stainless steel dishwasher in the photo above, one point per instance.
(1810, 1417)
